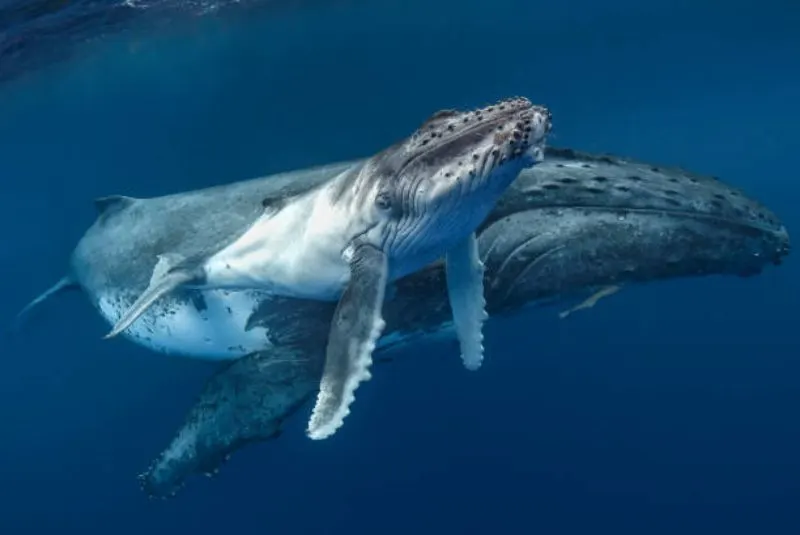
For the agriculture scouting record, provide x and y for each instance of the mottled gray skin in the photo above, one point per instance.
(574, 222)
(122, 247)
(414, 201)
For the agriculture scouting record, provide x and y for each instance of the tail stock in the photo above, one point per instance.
(64, 284)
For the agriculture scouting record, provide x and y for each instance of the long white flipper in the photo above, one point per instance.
(465, 291)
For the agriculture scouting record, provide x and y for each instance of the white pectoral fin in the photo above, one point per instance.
(167, 275)
(356, 326)
(465, 290)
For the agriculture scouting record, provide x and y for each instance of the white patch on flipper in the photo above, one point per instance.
(465, 291)
(318, 428)
(350, 347)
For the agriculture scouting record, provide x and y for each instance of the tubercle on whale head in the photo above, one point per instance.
(513, 123)
(582, 220)
(467, 147)
(445, 177)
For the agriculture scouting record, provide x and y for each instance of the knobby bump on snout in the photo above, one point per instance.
(406, 207)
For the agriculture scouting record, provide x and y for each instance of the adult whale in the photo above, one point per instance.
(574, 222)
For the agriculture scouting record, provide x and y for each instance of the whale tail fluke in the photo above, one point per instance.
(64, 284)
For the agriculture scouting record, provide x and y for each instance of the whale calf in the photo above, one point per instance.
(574, 222)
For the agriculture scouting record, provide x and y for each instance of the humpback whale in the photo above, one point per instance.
(573, 223)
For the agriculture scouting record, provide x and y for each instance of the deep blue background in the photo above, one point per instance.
(668, 408)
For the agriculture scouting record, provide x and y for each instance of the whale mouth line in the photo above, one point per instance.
(669, 212)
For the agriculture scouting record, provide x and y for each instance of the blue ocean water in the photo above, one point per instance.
(668, 408)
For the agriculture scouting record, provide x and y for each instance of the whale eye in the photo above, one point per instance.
(383, 201)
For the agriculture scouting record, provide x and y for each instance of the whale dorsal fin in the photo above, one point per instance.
(105, 205)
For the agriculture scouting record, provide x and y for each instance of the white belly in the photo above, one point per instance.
(295, 253)
(217, 332)
(180, 328)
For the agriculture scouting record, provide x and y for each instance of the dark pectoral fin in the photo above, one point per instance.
(242, 404)
(163, 281)
(356, 327)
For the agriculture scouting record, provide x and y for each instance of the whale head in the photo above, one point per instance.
(422, 195)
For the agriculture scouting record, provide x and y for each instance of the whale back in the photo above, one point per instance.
(115, 259)
(129, 236)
